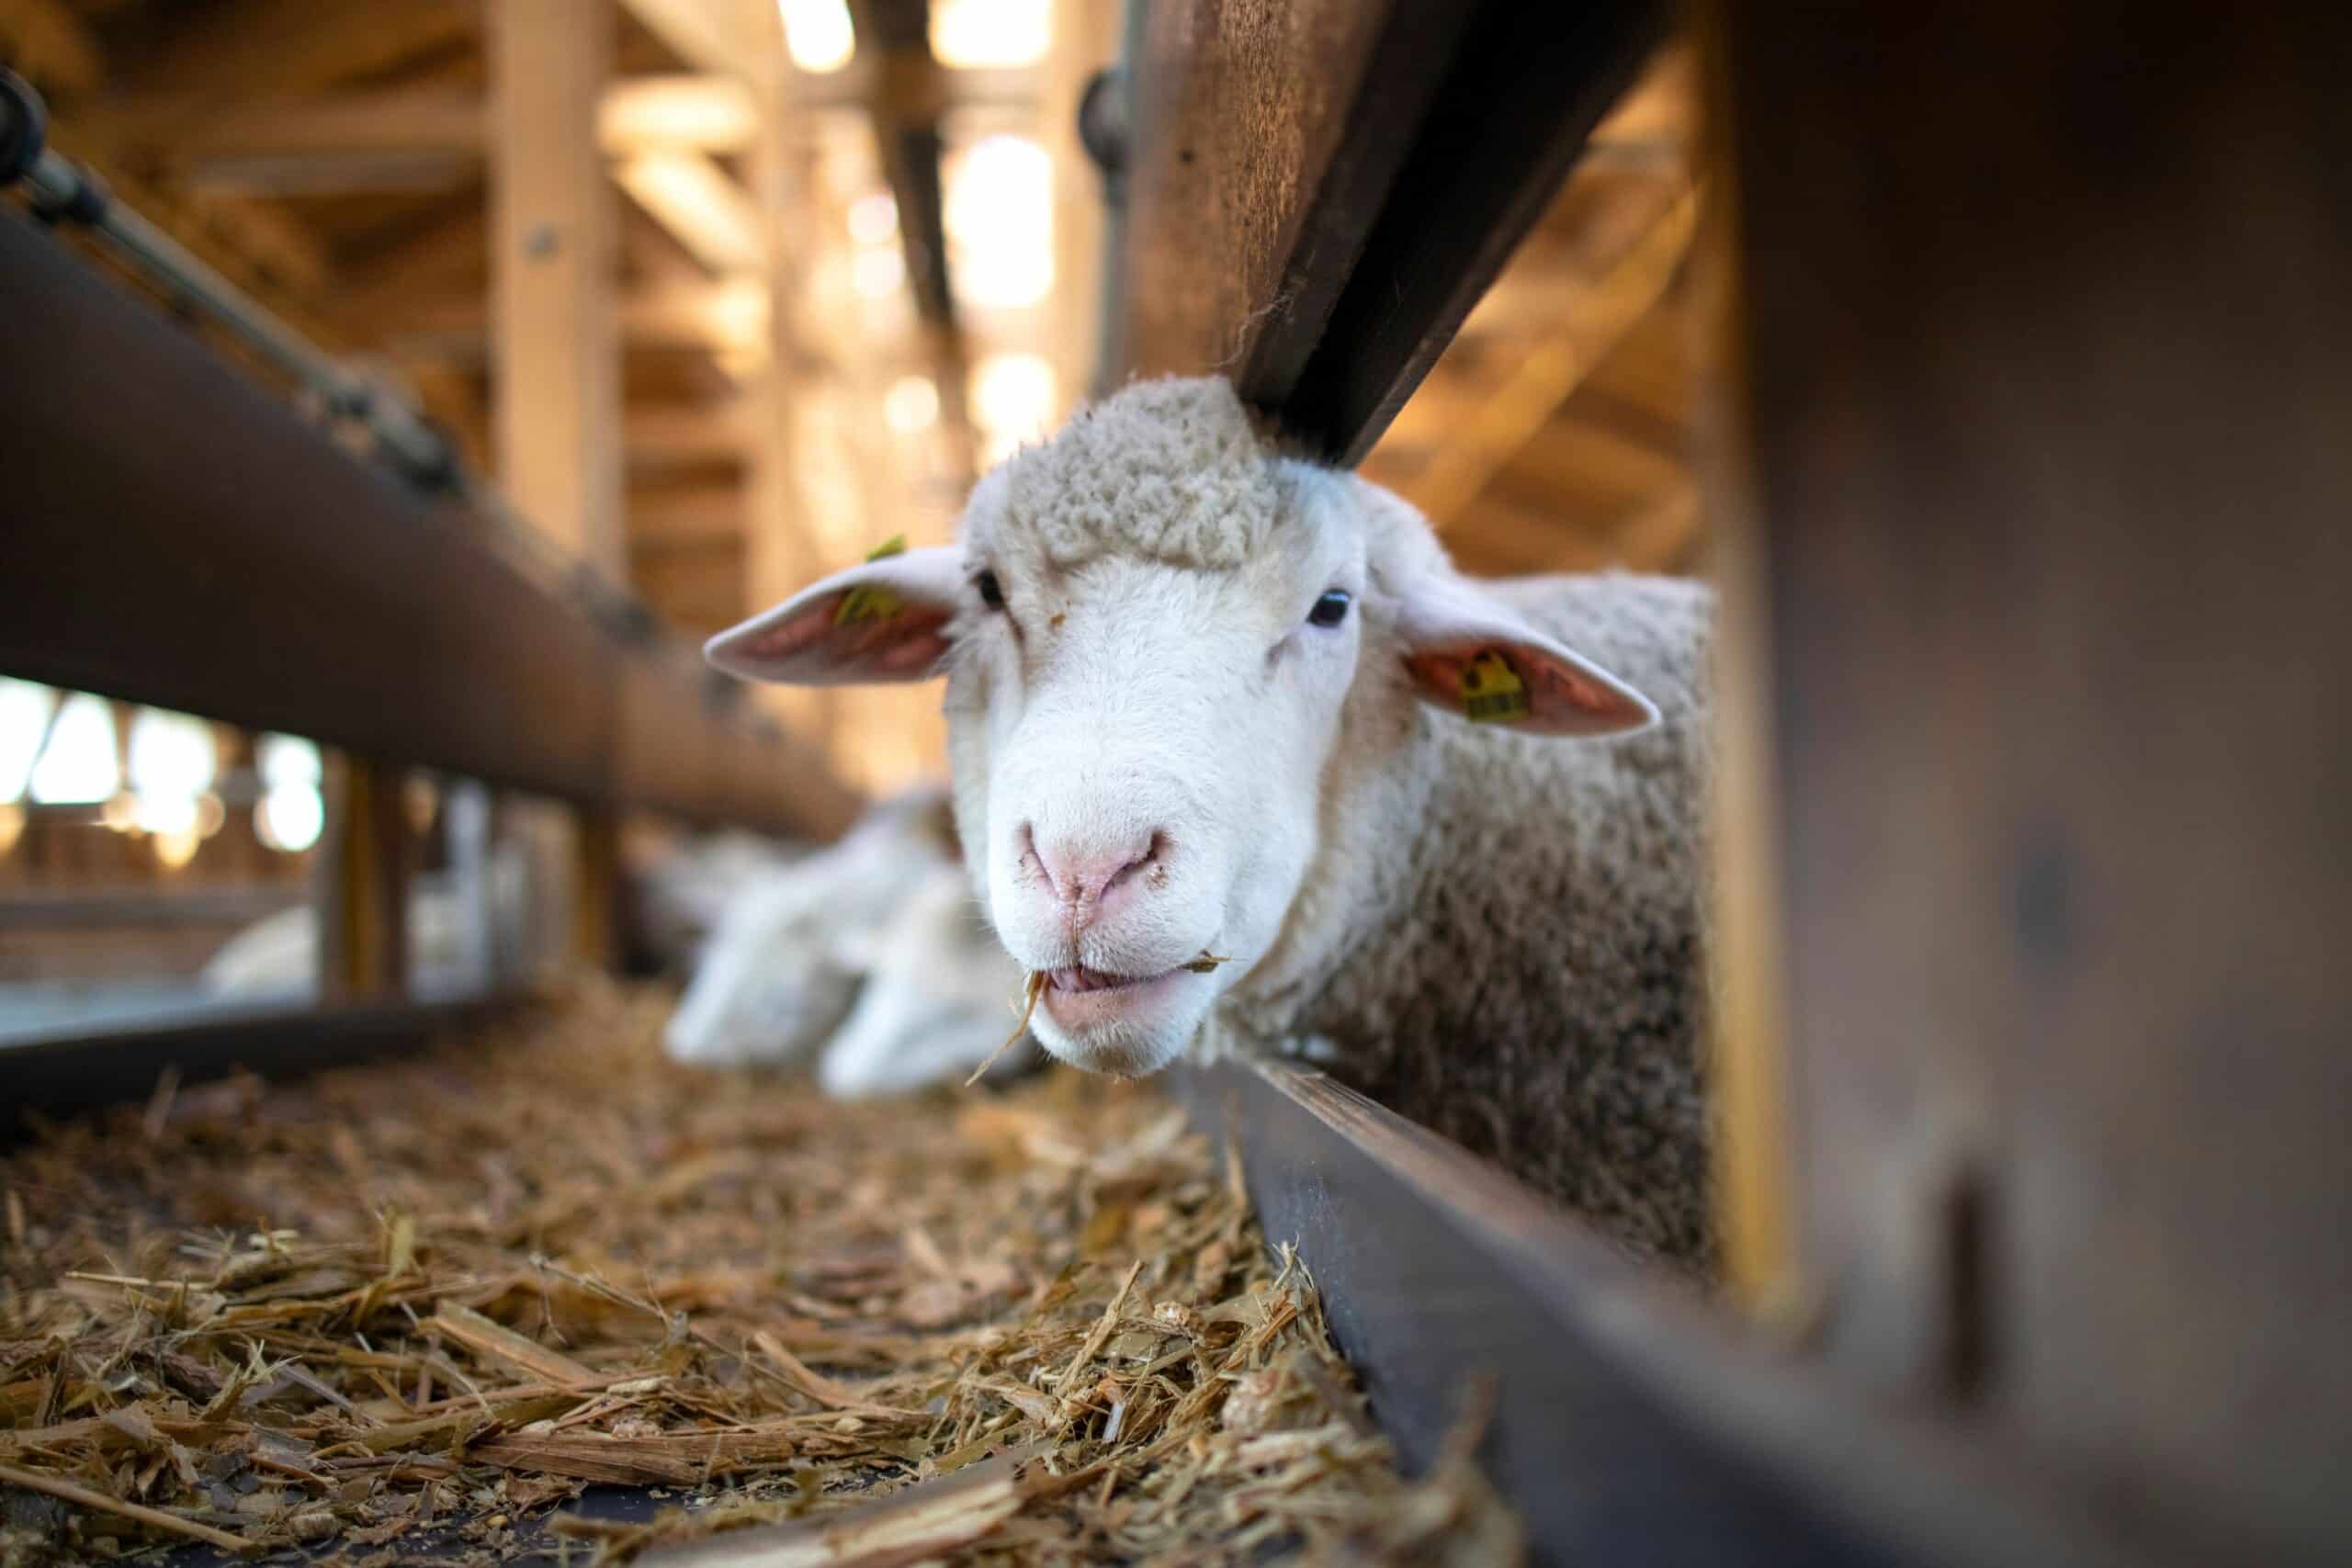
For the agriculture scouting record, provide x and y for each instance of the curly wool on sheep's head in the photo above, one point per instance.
(1171, 470)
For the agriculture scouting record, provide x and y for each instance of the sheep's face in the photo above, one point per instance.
(1166, 649)
(1137, 744)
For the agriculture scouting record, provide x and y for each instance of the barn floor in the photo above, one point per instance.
(546, 1295)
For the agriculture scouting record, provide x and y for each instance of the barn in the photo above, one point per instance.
(479, 1083)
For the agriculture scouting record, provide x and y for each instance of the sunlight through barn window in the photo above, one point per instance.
(24, 708)
(1013, 401)
(965, 34)
(911, 405)
(172, 764)
(818, 34)
(292, 812)
(999, 216)
(80, 766)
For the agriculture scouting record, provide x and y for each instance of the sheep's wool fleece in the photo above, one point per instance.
(1524, 972)
(1523, 969)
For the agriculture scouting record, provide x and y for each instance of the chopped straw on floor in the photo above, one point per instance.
(411, 1312)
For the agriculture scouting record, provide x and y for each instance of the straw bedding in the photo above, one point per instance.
(431, 1310)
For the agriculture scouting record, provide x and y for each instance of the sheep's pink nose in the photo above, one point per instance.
(1090, 874)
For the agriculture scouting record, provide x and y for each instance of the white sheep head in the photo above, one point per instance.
(1171, 654)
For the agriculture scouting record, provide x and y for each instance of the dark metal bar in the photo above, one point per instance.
(62, 1078)
(1629, 1423)
(183, 538)
(63, 190)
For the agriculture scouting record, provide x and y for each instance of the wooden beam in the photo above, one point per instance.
(556, 377)
(263, 50)
(1543, 380)
(721, 318)
(50, 47)
(365, 871)
(452, 122)
(701, 205)
(376, 619)
(2041, 381)
(431, 136)
(1627, 1423)
(1317, 203)
(781, 552)
(708, 35)
(680, 515)
(665, 435)
(703, 113)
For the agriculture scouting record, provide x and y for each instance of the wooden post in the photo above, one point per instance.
(557, 339)
(2046, 327)
(780, 554)
(556, 354)
(362, 873)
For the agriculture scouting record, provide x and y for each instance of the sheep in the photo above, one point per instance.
(934, 1002)
(679, 889)
(780, 973)
(1207, 699)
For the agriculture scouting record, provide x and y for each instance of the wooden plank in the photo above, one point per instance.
(364, 872)
(1321, 191)
(1527, 89)
(703, 113)
(1552, 369)
(1239, 113)
(184, 499)
(50, 47)
(557, 376)
(2045, 372)
(450, 121)
(666, 435)
(701, 205)
(685, 515)
(720, 36)
(1629, 1423)
(427, 138)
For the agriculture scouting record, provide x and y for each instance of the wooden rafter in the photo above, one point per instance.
(553, 262)
(1471, 456)
(49, 45)
(708, 35)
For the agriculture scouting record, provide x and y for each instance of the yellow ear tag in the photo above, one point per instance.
(1492, 691)
(871, 602)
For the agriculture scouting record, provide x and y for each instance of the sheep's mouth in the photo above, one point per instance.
(1077, 977)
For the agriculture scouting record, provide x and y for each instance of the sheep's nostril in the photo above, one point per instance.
(1143, 861)
(1081, 873)
(1025, 853)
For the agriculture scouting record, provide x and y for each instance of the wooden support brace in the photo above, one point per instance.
(595, 891)
(364, 872)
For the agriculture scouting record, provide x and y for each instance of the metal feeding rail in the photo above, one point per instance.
(179, 534)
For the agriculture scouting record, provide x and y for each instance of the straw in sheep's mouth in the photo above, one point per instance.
(1077, 977)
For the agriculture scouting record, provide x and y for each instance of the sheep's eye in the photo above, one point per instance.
(991, 591)
(1329, 610)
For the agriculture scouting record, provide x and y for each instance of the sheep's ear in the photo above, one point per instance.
(883, 621)
(1471, 654)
